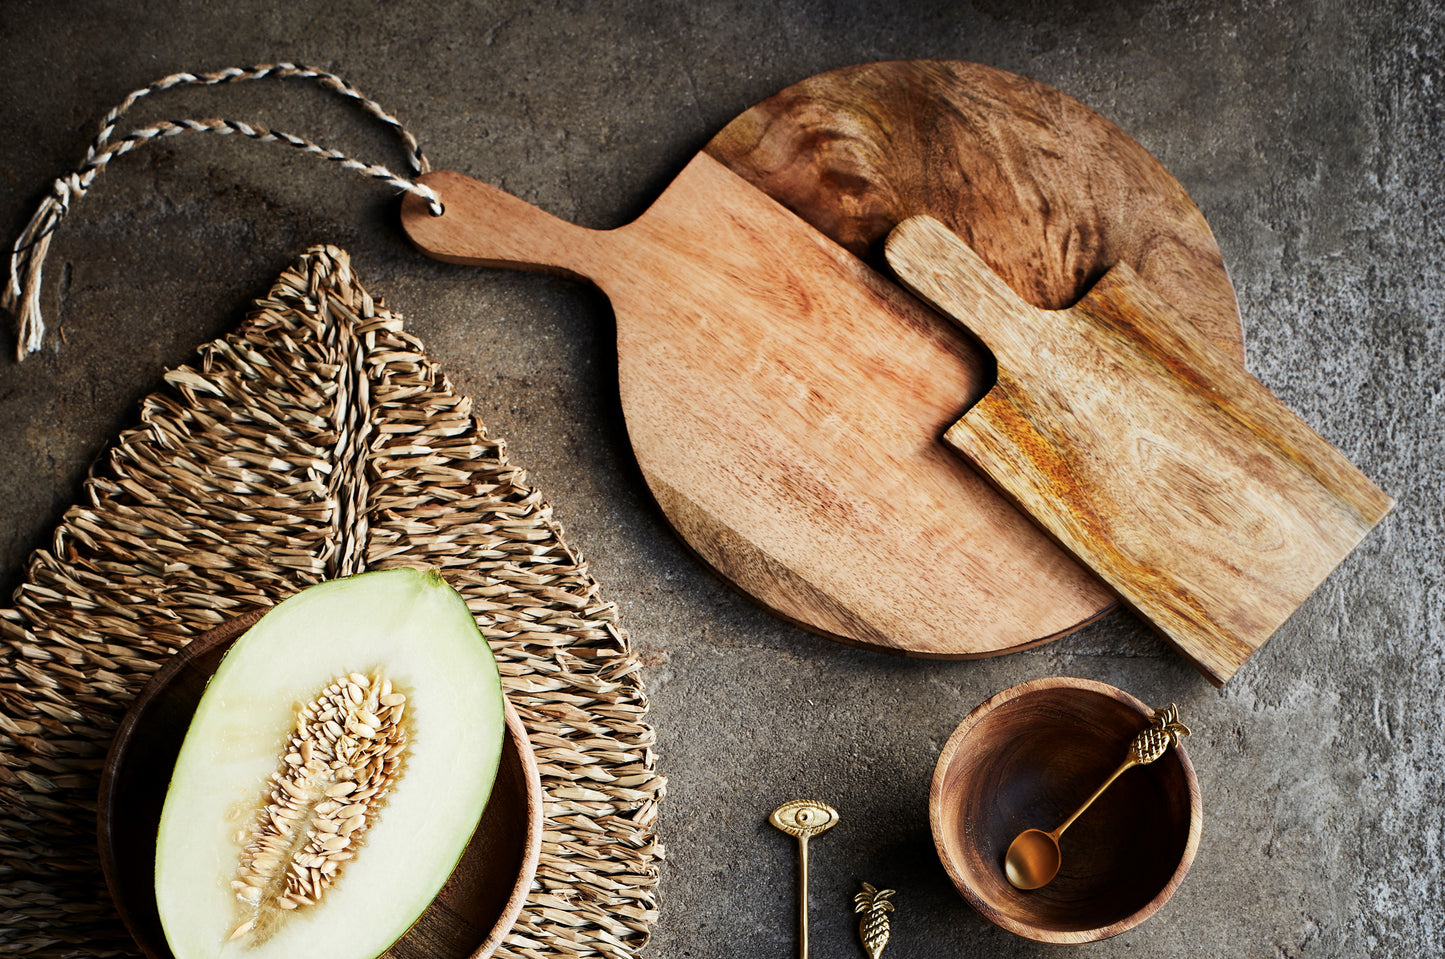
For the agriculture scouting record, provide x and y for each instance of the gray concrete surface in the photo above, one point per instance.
(1309, 133)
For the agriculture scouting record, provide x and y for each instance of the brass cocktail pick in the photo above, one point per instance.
(873, 927)
(804, 818)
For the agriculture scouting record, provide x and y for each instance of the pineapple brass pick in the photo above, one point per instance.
(873, 927)
(1033, 857)
(804, 818)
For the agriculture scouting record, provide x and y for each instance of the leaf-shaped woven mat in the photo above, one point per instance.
(314, 442)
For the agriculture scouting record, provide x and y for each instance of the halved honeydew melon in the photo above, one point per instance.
(267, 788)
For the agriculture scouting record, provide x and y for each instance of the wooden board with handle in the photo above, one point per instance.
(884, 540)
(1147, 452)
(785, 404)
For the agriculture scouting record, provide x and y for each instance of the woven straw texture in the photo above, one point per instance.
(314, 442)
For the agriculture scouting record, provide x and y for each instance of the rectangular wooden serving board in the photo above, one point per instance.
(1147, 452)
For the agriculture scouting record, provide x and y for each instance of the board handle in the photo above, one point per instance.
(484, 226)
(926, 254)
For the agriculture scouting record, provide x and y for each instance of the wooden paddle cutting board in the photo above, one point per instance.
(784, 403)
(1151, 455)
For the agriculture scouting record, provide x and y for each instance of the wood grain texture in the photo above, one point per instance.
(1047, 191)
(470, 916)
(1027, 758)
(760, 456)
(1148, 453)
(785, 405)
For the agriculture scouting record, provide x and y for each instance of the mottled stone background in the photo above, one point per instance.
(1309, 132)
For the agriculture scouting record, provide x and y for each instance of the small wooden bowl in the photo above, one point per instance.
(470, 916)
(1029, 757)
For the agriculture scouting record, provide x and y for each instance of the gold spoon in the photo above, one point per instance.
(1033, 857)
(804, 818)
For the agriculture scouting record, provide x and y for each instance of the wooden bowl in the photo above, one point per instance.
(470, 916)
(1029, 757)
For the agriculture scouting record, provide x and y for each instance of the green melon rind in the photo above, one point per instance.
(421, 630)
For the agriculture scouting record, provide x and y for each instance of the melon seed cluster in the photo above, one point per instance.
(337, 766)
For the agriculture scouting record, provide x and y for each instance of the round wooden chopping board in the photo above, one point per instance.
(1051, 195)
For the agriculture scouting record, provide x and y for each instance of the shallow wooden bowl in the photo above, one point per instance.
(469, 918)
(1029, 757)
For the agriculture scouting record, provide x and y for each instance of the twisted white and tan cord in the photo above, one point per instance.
(281, 70)
(27, 259)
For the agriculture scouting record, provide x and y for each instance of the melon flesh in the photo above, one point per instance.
(416, 631)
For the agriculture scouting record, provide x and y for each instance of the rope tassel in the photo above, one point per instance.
(22, 293)
(27, 258)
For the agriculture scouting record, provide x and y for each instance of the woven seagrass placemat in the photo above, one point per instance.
(316, 441)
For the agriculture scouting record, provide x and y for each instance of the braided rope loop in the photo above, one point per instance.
(27, 258)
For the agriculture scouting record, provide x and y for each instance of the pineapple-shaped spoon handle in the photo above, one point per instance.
(873, 927)
(804, 818)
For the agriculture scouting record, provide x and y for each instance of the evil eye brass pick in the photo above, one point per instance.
(804, 818)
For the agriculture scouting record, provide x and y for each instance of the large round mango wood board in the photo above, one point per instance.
(1051, 195)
